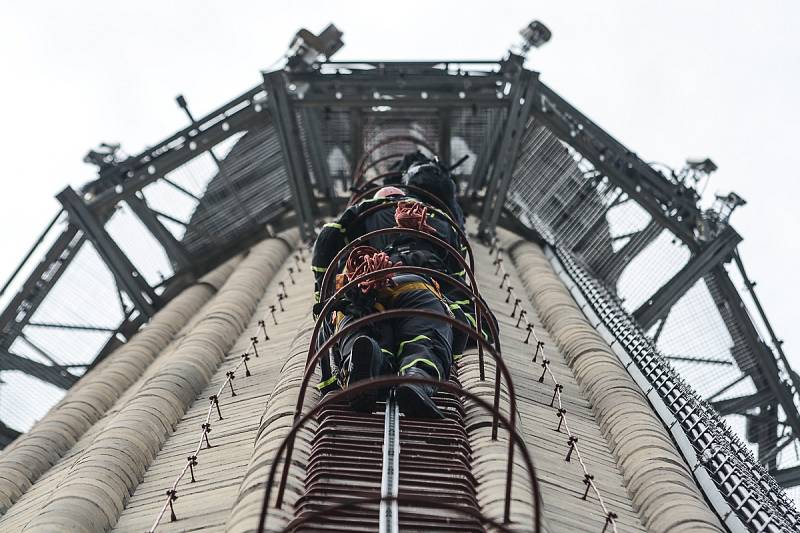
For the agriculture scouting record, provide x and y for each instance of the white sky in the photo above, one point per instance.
(668, 79)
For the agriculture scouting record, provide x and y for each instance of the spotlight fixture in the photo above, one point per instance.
(706, 165)
(307, 49)
(534, 35)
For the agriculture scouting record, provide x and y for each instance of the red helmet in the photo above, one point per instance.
(385, 192)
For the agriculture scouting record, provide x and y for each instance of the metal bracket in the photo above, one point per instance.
(176, 252)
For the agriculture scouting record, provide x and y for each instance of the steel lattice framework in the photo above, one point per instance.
(283, 153)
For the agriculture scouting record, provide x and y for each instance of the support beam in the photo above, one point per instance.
(776, 343)
(141, 294)
(38, 349)
(766, 432)
(713, 253)
(672, 204)
(444, 136)
(523, 91)
(7, 435)
(23, 306)
(285, 123)
(660, 328)
(486, 156)
(787, 477)
(33, 248)
(222, 172)
(55, 375)
(763, 369)
(316, 151)
(612, 267)
(742, 403)
(175, 251)
(727, 387)
(357, 139)
(703, 360)
(179, 188)
(177, 221)
(118, 182)
(76, 327)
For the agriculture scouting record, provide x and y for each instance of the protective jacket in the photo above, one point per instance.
(408, 249)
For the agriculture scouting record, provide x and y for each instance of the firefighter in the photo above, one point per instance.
(408, 346)
(433, 177)
(402, 249)
(410, 250)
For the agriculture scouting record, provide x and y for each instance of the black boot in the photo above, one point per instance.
(365, 363)
(415, 400)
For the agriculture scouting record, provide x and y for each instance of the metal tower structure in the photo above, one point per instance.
(662, 274)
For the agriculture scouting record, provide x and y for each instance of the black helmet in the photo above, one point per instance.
(434, 179)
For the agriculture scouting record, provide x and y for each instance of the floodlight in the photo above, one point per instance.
(705, 165)
(535, 35)
(306, 49)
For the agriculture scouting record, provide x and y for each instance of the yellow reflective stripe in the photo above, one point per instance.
(455, 306)
(421, 360)
(412, 286)
(321, 270)
(437, 210)
(459, 274)
(463, 302)
(316, 297)
(329, 381)
(335, 225)
(387, 351)
(456, 357)
(415, 339)
(471, 320)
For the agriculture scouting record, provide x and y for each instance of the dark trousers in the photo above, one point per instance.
(422, 342)
(405, 342)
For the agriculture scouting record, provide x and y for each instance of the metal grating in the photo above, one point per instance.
(750, 491)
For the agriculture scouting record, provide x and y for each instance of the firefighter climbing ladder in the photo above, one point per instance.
(441, 492)
(431, 459)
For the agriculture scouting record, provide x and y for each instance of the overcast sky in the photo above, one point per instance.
(668, 79)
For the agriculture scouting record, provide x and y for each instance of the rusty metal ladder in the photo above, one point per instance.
(386, 456)
(389, 519)
(368, 472)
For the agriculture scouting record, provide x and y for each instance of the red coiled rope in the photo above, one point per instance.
(365, 259)
(413, 215)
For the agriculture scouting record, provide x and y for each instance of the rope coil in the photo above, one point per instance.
(413, 215)
(363, 260)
